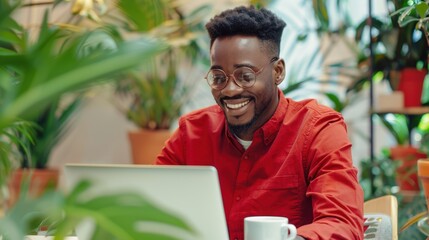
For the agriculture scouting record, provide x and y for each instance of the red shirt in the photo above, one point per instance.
(298, 166)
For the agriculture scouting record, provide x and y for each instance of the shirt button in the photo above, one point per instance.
(238, 198)
(246, 157)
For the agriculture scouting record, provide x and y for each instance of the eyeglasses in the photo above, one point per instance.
(244, 77)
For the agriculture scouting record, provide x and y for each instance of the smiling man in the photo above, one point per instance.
(274, 156)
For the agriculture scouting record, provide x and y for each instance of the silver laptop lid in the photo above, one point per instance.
(191, 193)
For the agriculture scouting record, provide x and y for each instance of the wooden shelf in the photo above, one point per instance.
(410, 113)
(405, 111)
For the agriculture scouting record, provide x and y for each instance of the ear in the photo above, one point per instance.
(280, 71)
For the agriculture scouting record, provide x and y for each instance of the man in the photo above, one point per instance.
(274, 156)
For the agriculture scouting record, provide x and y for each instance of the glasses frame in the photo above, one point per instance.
(231, 76)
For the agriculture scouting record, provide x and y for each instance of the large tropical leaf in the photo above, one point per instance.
(116, 216)
(83, 74)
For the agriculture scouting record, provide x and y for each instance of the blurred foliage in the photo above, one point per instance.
(51, 125)
(114, 216)
(10, 141)
(34, 74)
(155, 92)
(397, 125)
(383, 170)
(408, 210)
(423, 130)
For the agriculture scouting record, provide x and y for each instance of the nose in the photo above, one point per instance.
(231, 87)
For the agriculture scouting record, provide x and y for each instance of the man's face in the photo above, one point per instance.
(246, 109)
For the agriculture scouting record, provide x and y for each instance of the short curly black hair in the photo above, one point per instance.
(248, 21)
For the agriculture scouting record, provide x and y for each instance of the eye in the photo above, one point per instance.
(244, 74)
(217, 77)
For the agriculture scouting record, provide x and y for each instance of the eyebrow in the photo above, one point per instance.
(235, 66)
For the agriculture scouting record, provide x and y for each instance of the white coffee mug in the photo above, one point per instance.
(268, 228)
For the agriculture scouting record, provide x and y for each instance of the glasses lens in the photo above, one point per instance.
(216, 79)
(244, 76)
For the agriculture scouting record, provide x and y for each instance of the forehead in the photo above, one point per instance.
(237, 49)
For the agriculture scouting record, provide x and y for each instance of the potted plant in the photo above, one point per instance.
(9, 157)
(48, 126)
(413, 19)
(50, 122)
(34, 73)
(414, 15)
(155, 93)
(407, 155)
(396, 47)
(400, 52)
(416, 211)
(48, 129)
(26, 89)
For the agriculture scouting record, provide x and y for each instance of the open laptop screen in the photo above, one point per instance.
(191, 193)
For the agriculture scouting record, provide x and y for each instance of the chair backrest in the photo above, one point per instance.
(384, 211)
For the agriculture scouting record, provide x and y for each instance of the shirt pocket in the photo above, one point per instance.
(277, 196)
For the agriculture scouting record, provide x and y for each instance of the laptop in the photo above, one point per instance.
(191, 193)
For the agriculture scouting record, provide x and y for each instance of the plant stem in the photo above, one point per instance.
(37, 4)
(425, 32)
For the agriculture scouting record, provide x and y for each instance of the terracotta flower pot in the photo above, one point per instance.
(40, 181)
(147, 144)
(423, 173)
(406, 175)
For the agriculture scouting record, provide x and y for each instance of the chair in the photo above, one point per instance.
(384, 206)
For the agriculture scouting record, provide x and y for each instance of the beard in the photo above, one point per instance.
(238, 129)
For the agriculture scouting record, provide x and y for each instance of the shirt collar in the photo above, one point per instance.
(270, 129)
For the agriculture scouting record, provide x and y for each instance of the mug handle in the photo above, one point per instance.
(291, 228)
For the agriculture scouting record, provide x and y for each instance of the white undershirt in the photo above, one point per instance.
(244, 143)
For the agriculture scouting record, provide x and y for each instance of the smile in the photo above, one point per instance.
(237, 105)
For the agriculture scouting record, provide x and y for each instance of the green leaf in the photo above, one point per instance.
(118, 215)
(397, 126)
(144, 14)
(321, 12)
(338, 105)
(53, 123)
(18, 220)
(10, 141)
(296, 85)
(127, 56)
(422, 8)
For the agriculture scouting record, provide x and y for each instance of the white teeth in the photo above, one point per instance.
(238, 105)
